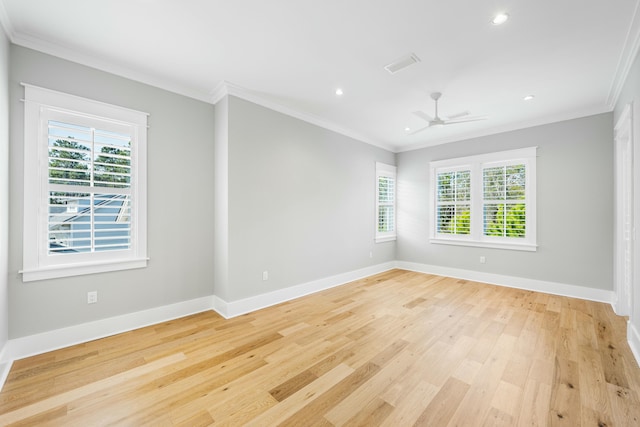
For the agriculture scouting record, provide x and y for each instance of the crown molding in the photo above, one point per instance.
(225, 88)
(556, 118)
(91, 61)
(627, 58)
(5, 22)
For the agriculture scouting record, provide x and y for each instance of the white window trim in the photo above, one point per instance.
(385, 170)
(475, 164)
(37, 264)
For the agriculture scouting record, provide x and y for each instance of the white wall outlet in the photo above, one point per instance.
(370, 254)
(265, 275)
(92, 297)
(482, 260)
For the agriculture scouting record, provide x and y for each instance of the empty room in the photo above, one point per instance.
(296, 213)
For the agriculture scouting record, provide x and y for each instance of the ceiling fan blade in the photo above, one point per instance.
(418, 130)
(423, 115)
(470, 119)
(455, 116)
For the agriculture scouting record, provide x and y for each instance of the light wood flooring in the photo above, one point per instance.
(395, 349)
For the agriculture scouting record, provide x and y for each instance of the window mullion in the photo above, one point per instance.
(476, 202)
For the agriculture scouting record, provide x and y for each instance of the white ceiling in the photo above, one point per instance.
(291, 55)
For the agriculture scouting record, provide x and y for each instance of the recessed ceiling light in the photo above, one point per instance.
(500, 18)
(528, 97)
(339, 92)
(407, 129)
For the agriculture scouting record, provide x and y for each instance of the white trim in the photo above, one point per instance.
(225, 88)
(89, 60)
(41, 105)
(6, 24)
(554, 288)
(54, 272)
(633, 338)
(31, 345)
(480, 244)
(43, 342)
(623, 198)
(627, 58)
(247, 305)
(5, 368)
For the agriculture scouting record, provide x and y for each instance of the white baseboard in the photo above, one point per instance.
(4, 372)
(633, 338)
(40, 343)
(19, 348)
(247, 305)
(554, 288)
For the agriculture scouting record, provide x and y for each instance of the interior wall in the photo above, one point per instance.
(574, 205)
(301, 202)
(180, 203)
(4, 186)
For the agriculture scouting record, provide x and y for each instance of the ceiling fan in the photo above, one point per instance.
(440, 121)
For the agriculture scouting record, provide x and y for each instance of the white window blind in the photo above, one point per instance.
(486, 200)
(504, 201)
(89, 189)
(385, 202)
(453, 209)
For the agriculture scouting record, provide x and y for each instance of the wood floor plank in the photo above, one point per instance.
(394, 349)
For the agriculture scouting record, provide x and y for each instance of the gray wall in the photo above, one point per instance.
(574, 205)
(300, 199)
(180, 202)
(4, 186)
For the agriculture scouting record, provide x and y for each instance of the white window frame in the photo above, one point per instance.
(476, 164)
(40, 105)
(388, 171)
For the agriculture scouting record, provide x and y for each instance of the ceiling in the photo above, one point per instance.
(292, 55)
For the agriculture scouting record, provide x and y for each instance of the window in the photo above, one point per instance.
(385, 202)
(85, 186)
(486, 200)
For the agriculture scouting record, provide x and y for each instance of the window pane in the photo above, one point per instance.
(515, 182)
(69, 222)
(112, 159)
(504, 183)
(493, 183)
(454, 186)
(463, 186)
(453, 219)
(385, 219)
(386, 189)
(112, 222)
(505, 220)
(80, 222)
(445, 186)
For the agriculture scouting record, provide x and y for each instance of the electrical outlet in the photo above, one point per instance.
(265, 275)
(482, 260)
(92, 297)
(370, 254)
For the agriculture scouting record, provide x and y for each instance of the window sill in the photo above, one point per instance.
(385, 239)
(69, 270)
(493, 245)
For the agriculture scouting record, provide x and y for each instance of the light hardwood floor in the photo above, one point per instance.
(395, 349)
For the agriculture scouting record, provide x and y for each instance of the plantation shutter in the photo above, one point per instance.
(453, 202)
(504, 201)
(385, 202)
(89, 187)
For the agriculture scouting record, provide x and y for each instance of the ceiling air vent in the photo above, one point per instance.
(402, 63)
